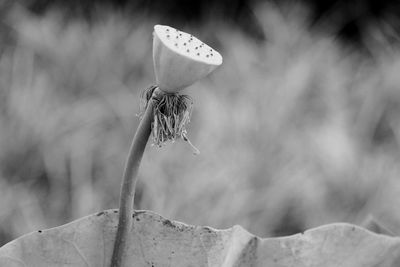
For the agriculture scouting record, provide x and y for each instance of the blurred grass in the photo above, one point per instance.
(294, 132)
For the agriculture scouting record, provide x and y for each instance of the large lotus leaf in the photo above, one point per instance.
(156, 241)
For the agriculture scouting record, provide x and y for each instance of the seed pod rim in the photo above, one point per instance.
(216, 60)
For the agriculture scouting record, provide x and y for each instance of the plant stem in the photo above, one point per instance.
(129, 183)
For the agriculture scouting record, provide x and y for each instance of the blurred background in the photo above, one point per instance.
(299, 127)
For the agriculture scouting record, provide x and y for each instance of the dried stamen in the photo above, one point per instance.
(171, 114)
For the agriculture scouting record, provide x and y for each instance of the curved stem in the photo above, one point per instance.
(129, 183)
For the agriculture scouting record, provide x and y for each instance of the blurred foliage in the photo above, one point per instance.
(348, 19)
(294, 132)
(170, 12)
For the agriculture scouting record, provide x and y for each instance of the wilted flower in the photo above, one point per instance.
(180, 59)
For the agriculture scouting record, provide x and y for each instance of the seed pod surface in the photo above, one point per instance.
(180, 59)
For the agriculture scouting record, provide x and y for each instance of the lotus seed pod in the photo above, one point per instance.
(180, 59)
